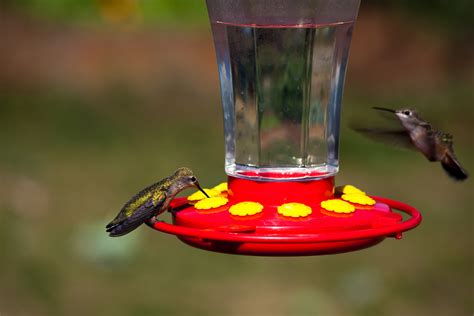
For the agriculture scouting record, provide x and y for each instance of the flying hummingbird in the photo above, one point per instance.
(151, 201)
(419, 134)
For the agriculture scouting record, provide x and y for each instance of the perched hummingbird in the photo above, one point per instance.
(151, 201)
(419, 134)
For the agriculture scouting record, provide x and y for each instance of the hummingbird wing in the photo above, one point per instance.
(396, 137)
(140, 208)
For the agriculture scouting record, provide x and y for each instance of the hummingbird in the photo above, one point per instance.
(151, 201)
(419, 134)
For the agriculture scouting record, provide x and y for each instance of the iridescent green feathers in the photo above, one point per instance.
(144, 205)
(150, 202)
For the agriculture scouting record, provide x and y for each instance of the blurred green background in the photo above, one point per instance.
(99, 98)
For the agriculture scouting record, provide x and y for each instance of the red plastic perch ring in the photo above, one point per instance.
(272, 235)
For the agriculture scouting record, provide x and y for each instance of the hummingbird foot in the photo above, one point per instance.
(153, 220)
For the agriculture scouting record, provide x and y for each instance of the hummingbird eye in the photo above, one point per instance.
(407, 112)
(193, 179)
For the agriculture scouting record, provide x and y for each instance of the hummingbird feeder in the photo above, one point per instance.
(281, 68)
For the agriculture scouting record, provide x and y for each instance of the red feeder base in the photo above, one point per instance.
(271, 234)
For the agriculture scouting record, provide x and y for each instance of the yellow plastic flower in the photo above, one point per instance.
(338, 215)
(338, 206)
(246, 208)
(198, 195)
(212, 202)
(358, 199)
(222, 187)
(348, 189)
(294, 210)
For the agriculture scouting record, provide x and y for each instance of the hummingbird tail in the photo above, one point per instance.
(121, 228)
(452, 166)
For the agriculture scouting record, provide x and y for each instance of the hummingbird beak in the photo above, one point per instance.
(384, 109)
(200, 189)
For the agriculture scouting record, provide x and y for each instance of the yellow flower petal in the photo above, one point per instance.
(221, 187)
(245, 208)
(198, 195)
(338, 206)
(212, 202)
(358, 198)
(348, 189)
(294, 210)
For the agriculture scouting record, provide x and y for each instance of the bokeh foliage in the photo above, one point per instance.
(71, 154)
(451, 14)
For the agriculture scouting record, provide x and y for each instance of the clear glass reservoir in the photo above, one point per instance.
(281, 68)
